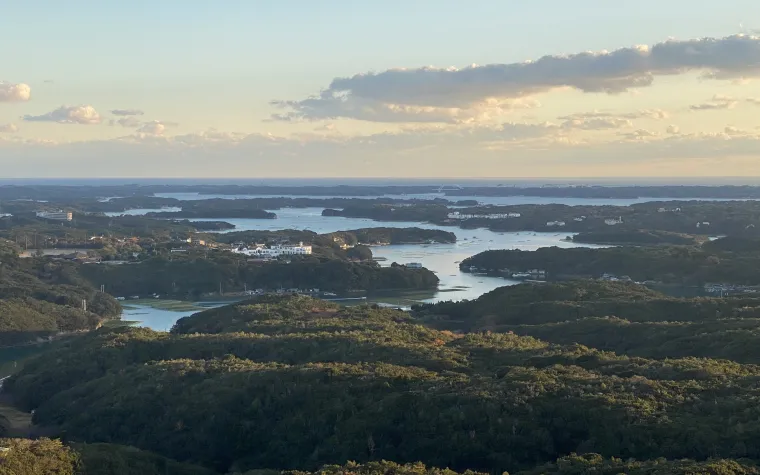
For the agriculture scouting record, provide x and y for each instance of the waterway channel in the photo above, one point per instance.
(443, 259)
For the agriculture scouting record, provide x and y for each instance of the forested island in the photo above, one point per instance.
(740, 218)
(213, 205)
(297, 383)
(683, 265)
(192, 276)
(218, 209)
(201, 226)
(350, 237)
(637, 237)
(53, 192)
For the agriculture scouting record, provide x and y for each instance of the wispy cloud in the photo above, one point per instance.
(130, 122)
(124, 112)
(509, 150)
(373, 111)
(718, 102)
(8, 128)
(639, 134)
(602, 123)
(10, 92)
(83, 114)
(435, 94)
(657, 114)
(155, 127)
(735, 131)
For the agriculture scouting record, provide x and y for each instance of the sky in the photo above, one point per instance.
(429, 88)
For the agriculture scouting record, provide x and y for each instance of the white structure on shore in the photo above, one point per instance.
(275, 251)
(57, 215)
(458, 215)
(552, 224)
(613, 221)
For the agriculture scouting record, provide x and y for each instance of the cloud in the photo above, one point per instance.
(735, 131)
(83, 114)
(657, 114)
(329, 127)
(673, 130)
(639, 134)
(155, 127)
(126, 122)
(10, 92)
(602, 123)
(373, 111)
(435, 94)
(452, 150)
(123, 112)
(8, 128)
(753, 100)
(718, 102)
(600, 120)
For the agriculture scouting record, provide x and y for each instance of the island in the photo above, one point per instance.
(684, 265)
(637, 237)
(700, 218)
(194, 275)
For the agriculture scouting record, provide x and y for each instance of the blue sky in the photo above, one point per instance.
(192, 66)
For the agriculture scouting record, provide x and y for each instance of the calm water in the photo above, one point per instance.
(141, 211)
(158, 319)
(443, 259)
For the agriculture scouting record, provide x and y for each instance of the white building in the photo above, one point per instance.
(57, 215)
(275, 251)
(458, 215)
(613, 221)
(552, 224)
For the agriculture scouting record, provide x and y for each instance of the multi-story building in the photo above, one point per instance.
(275, 251)
(56, 215)
(458, 215)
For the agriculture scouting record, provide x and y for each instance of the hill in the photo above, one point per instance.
(41, 297)
(613, 316)
(194, 275)
(51, 457)
(687, 265)
(293, 383)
